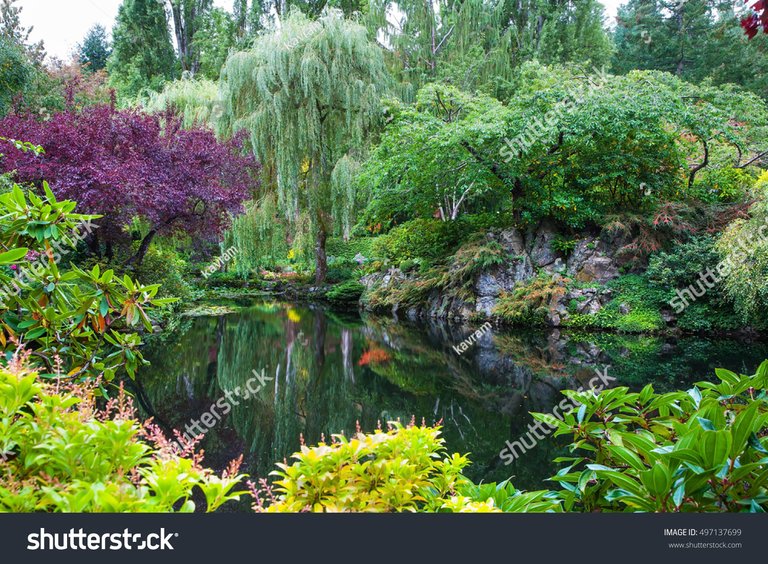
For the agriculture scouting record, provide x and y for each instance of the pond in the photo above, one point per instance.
(313, 372)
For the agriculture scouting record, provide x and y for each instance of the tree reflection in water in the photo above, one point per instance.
(332, 370)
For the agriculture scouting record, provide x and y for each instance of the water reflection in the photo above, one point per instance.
(331, 371)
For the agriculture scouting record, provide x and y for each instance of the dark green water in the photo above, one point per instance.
(331, 370)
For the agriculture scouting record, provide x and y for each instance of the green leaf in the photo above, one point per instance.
(13, 255)
(706, 424)
(742, 428)
(714, 448)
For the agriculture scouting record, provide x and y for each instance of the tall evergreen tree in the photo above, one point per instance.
(16, 72)
(188, 17)
(142, 56)
(309, 95)
(694, 39)
(95, 50)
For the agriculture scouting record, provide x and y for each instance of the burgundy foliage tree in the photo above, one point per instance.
(757, 18)
(127, 164)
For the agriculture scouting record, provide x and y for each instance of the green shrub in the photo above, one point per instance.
(60, 453)
(164, 266)
(408, 265)
(403, 469)
(681, 266)
(703, 450)
(634, 292)
(349, 291)
(723, 184)
(564, 245)
(226, 279)
(339, 248)
(420, 238)
(342, 269)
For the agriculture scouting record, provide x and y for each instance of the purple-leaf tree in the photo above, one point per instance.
(127, 164)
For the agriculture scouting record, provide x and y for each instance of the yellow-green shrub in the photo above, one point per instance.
(60, 453)
(402, 469)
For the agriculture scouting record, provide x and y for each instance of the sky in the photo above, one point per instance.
(62, 24)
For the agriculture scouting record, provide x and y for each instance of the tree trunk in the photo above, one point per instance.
(93, 244)
(321, 327)
(143, 248)
(321, 260)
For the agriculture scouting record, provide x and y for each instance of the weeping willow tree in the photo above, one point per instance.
(195, 100)
(309, 96)
(258, 235)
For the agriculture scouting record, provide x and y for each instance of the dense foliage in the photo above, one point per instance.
(142, 54)
(75, 322)
(701, 450)
(610, 144)
(518, 161)
(695, 39)
(126, 164)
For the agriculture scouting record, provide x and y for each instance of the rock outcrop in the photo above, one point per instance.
(592, 260)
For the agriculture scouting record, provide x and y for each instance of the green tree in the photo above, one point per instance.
(476, 43)
(12, 29)
(16, 73)
(694, 39)
(142, 57)
(187, 17)
(309, 95)
(569, 147)
(95, 50)
(213, 39)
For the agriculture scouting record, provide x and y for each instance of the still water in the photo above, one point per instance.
(329, 371)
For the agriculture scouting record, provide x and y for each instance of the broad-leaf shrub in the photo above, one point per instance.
(75, 322)
(60, 453)
(704, 450)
